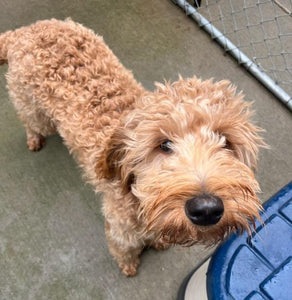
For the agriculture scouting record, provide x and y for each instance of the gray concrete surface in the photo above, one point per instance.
(52, 243)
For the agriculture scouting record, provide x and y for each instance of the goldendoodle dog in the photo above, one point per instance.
(175, 165)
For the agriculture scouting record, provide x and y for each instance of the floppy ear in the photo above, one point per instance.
(109, 166)
(113, 165)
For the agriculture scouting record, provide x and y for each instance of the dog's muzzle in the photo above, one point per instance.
(204, 209)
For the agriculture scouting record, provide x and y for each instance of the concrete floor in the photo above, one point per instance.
(52, 242)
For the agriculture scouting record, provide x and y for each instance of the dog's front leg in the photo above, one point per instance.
(125, 247)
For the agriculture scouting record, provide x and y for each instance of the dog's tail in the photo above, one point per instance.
(5, 40)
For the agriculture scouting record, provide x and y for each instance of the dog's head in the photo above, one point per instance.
(187, 153)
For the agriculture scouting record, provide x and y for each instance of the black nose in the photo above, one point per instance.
(204, 209)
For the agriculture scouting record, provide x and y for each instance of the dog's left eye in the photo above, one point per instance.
(166, 146)
(227, 145)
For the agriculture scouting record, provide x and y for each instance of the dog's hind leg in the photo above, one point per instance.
(35, 141)
(37, 123)
(38, 126)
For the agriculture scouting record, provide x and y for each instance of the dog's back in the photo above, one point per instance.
(63, 77)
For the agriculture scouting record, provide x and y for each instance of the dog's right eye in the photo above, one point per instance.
(166, 146)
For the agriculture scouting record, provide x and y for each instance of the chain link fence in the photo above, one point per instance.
(258, 30)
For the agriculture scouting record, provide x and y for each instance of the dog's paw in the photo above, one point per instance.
(130, 269)
(36, 143)
(160, 245)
